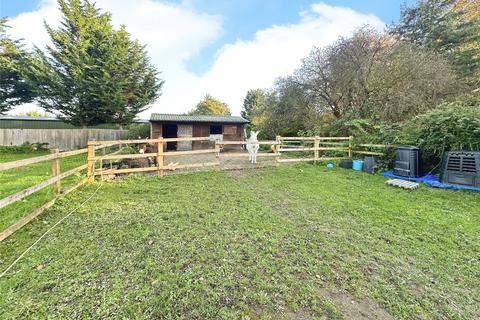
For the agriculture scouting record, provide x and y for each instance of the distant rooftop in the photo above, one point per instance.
(197, 118)
(27, 118)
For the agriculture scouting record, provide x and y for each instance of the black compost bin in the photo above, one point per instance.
(461, 167)
(407, 162)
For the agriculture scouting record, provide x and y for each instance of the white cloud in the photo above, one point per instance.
(176, 33)
(277, 51)
(173, 34)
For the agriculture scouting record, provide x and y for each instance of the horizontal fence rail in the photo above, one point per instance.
(314, 149)
(148, 141)
(321, 148)
(53, 156)
(26, 192)
(310, 160)
(368, 153)
(247, 142)
(239, 155)
(279, 146)
(159, 156)
(26, 219)
(342, 148)
(338, 144)
(313, 138)
(55, 180)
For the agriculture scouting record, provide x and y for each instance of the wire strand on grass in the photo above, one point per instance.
(46, 232)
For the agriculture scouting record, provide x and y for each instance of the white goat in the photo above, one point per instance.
(253, 146)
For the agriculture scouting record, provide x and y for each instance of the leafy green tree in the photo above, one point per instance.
(286, 111)
(33, 113)
(451, 27)
(93, 73)
(253, 102)
(14, 89)
(211, 106)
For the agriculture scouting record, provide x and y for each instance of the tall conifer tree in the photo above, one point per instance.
(14, 89)
(93, 73)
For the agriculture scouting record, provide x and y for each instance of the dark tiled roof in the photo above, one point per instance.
(186, 118)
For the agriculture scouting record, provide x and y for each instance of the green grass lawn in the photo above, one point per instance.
(13, 156)
(15, 180)
(289, 242)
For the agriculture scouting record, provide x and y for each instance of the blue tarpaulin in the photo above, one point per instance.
(432, 180)
(438, 184)
(428, 177)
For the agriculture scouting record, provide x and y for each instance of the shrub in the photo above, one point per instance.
(24, 148)
(452, 126)
(353, 127)
(136, 131)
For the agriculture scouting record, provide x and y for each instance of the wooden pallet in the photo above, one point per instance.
(402, 184)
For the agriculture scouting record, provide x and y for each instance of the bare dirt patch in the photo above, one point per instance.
(352, 307)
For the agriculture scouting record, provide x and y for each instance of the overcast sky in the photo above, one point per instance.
(219, 47)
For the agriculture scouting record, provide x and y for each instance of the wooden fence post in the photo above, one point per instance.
(56, 169)
(350, 139)
(160, 156)
(101, 162)
(90, 163)
(316, 145)
(217, 149)
(278, 140)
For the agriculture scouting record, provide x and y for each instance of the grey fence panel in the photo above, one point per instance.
(65, 139)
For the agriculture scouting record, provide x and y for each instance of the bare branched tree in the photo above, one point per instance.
(375, 76)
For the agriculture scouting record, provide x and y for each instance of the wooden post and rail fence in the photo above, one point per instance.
(280, 147)
(55, 180)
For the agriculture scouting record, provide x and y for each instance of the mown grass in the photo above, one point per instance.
(12, 156)
(294, 242)
(15, 180)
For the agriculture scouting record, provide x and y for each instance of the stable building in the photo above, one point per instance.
(222, 128)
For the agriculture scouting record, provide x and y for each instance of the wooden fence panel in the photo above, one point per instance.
(65, 139)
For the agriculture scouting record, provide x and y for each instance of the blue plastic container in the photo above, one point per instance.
(357, 165)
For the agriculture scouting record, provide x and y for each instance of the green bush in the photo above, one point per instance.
(136, 131)
(451, 126)
(27, 147)
(353, 127)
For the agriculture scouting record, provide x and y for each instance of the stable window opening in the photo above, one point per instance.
(215, 129)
